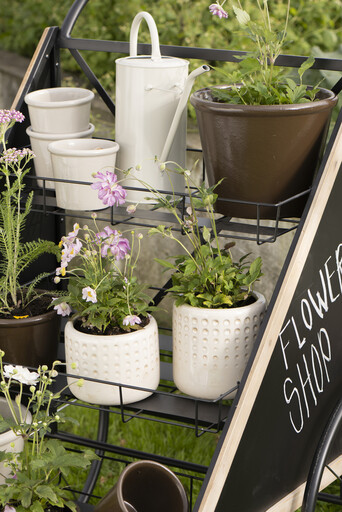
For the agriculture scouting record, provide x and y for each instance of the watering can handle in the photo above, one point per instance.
(133, 40)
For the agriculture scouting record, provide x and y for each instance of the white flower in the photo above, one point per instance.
(63, 309)
(131, 208)
(89, 295)
(131, 320)
(21, 374)
(8, 508)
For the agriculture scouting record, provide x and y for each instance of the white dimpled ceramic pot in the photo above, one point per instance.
(131, 358)
(59, 109)
(78, 160)
(39, 145)
(211, 347)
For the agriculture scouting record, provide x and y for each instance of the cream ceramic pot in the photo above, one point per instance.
(78, 160)
(39, 144)
(59, 109)
(151, 96)
(211, 347)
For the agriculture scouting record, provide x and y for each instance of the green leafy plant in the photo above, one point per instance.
(34, 480)
(104, 295)
(205, 275)
(15, 254)
(257, 81)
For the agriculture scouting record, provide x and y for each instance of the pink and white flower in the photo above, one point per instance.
(63, 309)
(89, 295)
(111, 240)
(217, 10)
(109, 191)
(131, 320)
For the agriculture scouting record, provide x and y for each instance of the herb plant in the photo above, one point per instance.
(16, 255)
(205, 276)
(105, 298)
(34, 481)
(257, 81)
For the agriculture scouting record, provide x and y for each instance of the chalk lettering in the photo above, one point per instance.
(294, 395)
(315, 356)
(326, 355)
(299, 341)
(283, 347)
(322, 303)
(306, 316)
(338, 258)
(329, 276)
(304, 383)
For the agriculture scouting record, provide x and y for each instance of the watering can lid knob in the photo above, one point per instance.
(133, 41)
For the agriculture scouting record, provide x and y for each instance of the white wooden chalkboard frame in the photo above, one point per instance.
(233, 433)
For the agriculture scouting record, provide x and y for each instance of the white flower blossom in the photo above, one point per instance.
(21, 374)
(88, 294)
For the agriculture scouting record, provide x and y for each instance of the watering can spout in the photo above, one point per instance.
(180, 107)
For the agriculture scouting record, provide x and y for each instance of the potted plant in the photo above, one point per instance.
(262, 130)
(111, 336)
(33, 475)
(29, 331)
(216, 315)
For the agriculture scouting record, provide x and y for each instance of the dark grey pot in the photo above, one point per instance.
(265, 153)
(145, 486)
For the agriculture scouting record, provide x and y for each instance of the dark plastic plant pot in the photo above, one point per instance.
(145, 486)
(30, 341)
(265, 153)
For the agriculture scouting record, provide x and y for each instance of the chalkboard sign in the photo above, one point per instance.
(295, 376)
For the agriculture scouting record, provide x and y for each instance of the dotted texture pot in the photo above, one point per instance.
(211, 347)
(145, 486)
(131, 358)
(9, 441)
(265, 153)
(30, 341)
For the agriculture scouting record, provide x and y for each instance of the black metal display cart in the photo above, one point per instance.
(165, 406)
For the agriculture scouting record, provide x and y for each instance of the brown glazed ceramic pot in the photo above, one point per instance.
(30, 341)
(145, 486)
(266, 153)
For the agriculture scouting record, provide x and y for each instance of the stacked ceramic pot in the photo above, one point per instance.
(57, 113)
(60, 135)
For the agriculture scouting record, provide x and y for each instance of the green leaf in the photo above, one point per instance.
(45, 491)
(306, 65)
(36, 507)
(242, 16)
(165, 263)
(26, 497)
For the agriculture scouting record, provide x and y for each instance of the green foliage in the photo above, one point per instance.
(104, 294)
(206, 275)
(257, 81)
(16, 255)
(315, 23)
(38, 468)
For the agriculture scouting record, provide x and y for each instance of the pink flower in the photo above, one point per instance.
(13, 155)
(70, 250)
(217, 10)
(88, 294)
(131, 320)
(8, 508)
(111, 240)
(6, 116)
(109, 191)
(63, 309)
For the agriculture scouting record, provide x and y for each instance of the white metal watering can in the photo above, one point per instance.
(151, 97)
